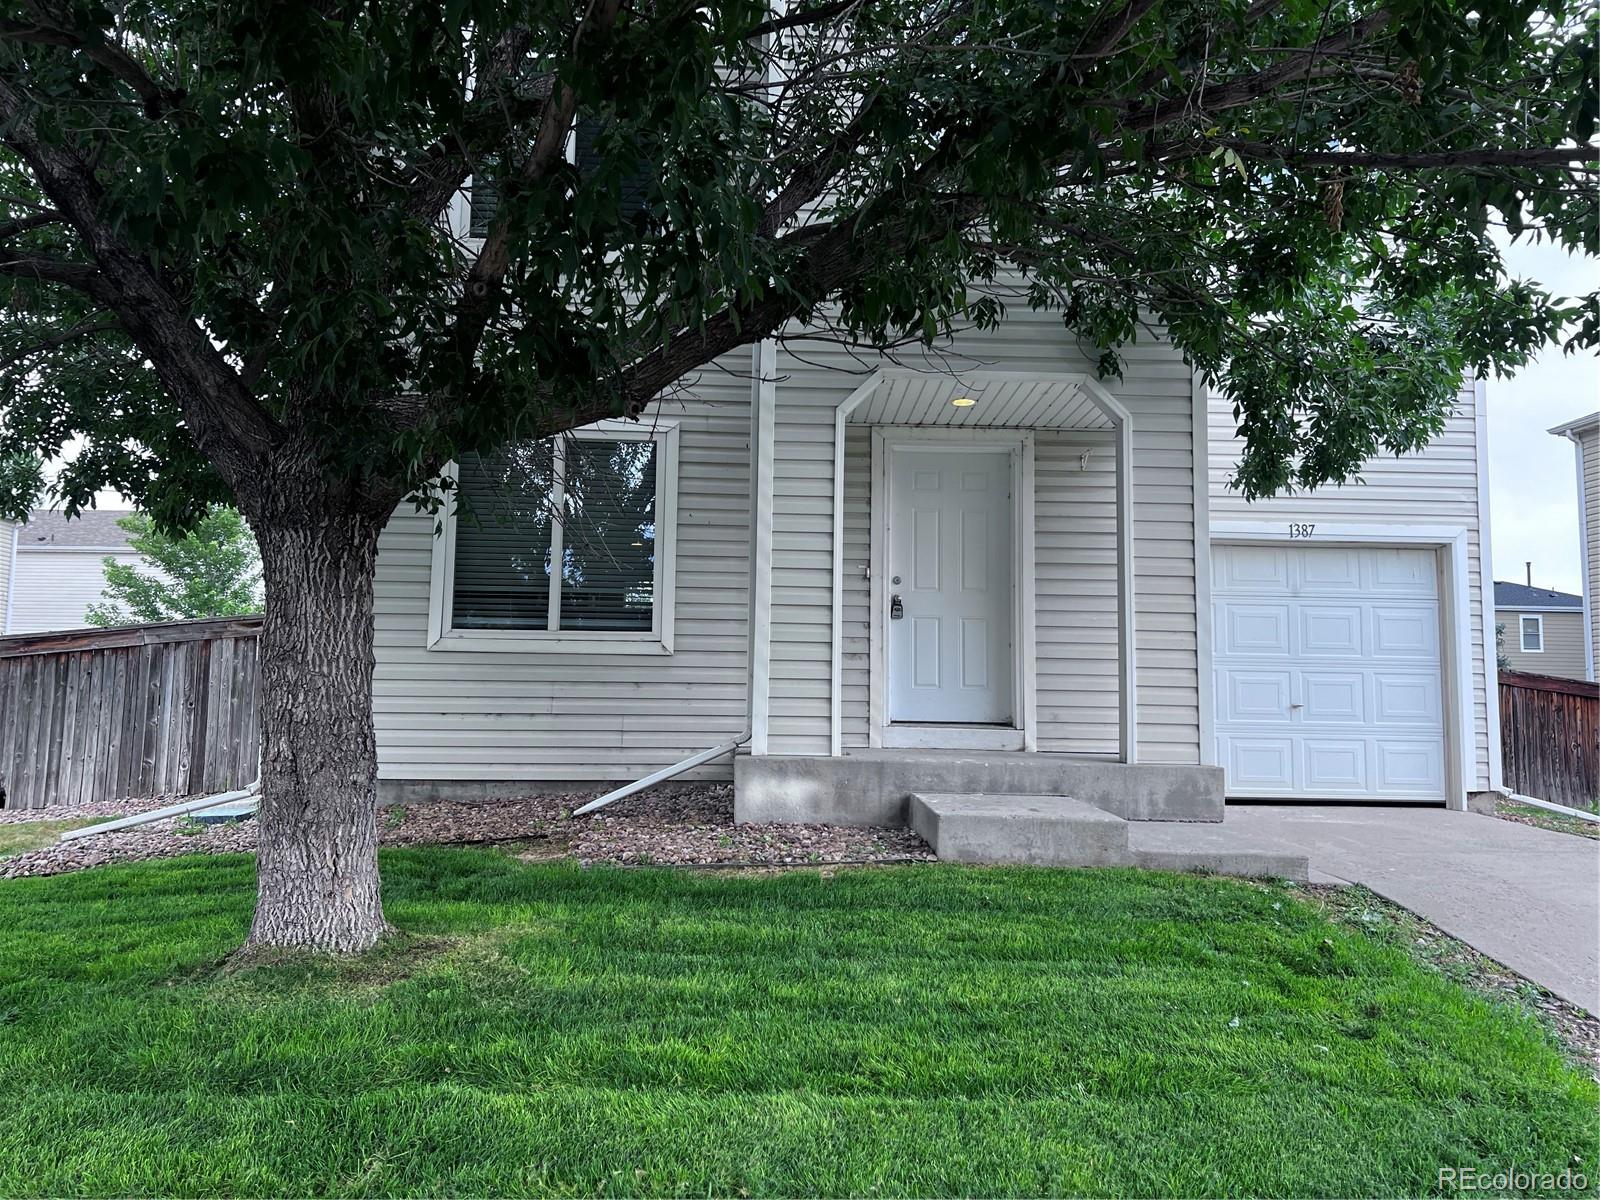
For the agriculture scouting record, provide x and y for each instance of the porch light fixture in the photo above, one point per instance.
(962, 402)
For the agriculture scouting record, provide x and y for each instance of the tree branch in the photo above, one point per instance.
(38, 220)
(41, 267)
(1308, 65)
(484, 280)
(815, 15)
(53, 26)
(1479, 156)
(225, 418)
(58, 339)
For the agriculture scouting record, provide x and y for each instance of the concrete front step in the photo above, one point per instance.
(1060, 831)
(1041, 831)
(1220, 849)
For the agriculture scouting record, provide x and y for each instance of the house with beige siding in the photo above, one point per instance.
(839, 577)
(1540, 631)
(1584, 433)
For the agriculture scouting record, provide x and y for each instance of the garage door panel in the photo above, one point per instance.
(1405, 631)
(1328, 672)
(1254, 629)
(1410, 767)
(1402, 573)
(1262, 765)
(1337, 697)
(1335, 765)
(1411, 699)
(1331, 570)
(1257, 697)
(1252, 569)
(1327, 629)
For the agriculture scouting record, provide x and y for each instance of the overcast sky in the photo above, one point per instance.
(1533, 489)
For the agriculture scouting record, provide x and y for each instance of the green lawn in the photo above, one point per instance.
(900, 1031)
(15, 837)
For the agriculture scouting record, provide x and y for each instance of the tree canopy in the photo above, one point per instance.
(213, 570)
(224, 227)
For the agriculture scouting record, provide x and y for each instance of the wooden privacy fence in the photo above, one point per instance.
(144, 710)
(1550, 738)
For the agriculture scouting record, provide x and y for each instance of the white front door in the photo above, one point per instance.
(949, 586)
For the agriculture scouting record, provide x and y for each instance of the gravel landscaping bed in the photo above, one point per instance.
(691, 826)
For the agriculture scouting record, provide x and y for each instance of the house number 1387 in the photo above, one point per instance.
(1301, 531)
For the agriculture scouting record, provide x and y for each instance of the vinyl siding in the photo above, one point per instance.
(452, 715)
(8, 533)
(53, 589)
(1563, 643)
(1589, 448)
(1076, 545)
(1438, 486)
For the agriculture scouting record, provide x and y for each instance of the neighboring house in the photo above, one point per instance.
(963, 572)
(1543, 630)
(1584, 433)
(56, 568)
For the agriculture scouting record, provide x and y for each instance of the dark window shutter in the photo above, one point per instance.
(634, 193)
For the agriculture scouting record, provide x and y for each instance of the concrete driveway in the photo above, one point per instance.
(1526, 897)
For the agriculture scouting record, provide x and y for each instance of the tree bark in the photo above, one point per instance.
(317, 865)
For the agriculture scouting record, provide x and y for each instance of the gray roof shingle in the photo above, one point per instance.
(1516, 595)
(92, 528)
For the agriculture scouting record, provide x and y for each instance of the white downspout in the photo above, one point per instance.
(661, 776)
(170, 810)
(1551, 806)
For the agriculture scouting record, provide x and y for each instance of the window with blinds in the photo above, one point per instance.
(558, 536)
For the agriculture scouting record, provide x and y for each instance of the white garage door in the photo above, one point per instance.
(1328, 672)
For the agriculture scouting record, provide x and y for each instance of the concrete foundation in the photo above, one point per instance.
(874, 787)
(477, 791)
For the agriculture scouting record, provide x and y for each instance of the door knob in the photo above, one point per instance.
(897, 610)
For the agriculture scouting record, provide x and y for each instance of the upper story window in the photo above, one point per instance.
(1532, 628)
(561, 545)
(582, 150)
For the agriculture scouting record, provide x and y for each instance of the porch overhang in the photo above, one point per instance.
(998, 400)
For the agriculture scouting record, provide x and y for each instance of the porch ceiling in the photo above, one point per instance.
(1005, 400)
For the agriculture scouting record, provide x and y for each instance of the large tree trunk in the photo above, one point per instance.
(317, 871)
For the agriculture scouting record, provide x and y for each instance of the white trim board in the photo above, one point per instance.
(1452, 546)
(1491, 663)
(763, 448)
(1205, 651)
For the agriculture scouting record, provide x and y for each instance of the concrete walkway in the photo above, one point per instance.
(1526, 897)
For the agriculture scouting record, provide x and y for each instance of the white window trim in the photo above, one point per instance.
(656, 640)
(1522, 633)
